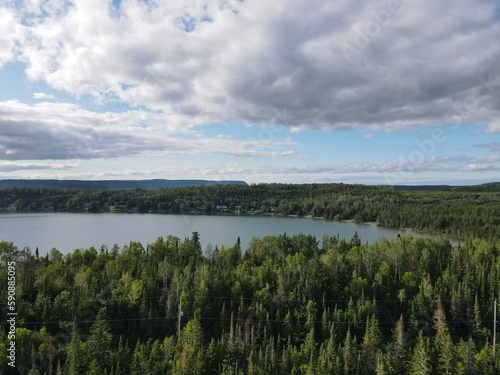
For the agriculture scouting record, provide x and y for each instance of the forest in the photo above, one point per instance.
(285, 305)
(459, 212)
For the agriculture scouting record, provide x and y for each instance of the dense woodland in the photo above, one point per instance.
(462, 213)
(286, 305)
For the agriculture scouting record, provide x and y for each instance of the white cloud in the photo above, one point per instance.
(43, 96)
(11, 32)
(201, 62)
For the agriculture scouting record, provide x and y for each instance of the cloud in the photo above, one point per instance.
(12, 167)
(42, 96)
(11, 32)
(226, 61)
(431, 170)
(494, 146)
(59, 131)
(402, 169)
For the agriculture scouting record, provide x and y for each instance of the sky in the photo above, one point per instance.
(292, 91)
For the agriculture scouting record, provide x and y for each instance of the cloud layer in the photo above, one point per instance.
(333, 65)
(164, 77)
(65, 131)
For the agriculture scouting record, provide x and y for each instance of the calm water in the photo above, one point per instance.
(69, 231)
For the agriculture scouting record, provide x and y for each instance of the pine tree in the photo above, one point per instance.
(139, 360)
(94, 368)
(443, 343)
(455, 310)
(349, 354)
(99, 342)
(466, 353)
(121, 358)
(380, 368)
(420, 362)
(74, 353)
(192, 342)
(371, 344)
(487, 364)
(397, 349)
(477, 331)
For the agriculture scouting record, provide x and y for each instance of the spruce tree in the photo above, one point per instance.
(420, 361)
(444, 346)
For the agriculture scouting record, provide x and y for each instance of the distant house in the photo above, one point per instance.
(223, 207)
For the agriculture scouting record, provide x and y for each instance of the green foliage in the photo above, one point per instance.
(287, 305)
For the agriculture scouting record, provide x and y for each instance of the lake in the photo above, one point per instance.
(69, 231)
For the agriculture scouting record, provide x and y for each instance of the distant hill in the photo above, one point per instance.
(490, 186)
(422, 187)
(113, 184)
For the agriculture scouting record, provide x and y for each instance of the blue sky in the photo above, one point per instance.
(359, 92)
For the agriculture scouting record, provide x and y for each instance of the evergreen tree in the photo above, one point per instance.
(444, 346)
(420, 361)
(94, 368)
(74, 353)
(349, 354)
(397, 349)
(99, 342)
(371, 345)
(192, 347)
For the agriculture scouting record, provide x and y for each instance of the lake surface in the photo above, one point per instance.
(69, 231)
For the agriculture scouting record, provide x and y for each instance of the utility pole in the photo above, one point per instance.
(494, 327)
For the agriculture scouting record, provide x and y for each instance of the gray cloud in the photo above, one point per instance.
(240, 61)
(13, 167)
(61, 131)
(493, 147)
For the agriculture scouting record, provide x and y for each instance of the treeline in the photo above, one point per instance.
(461, 214)
(110, 184)
(287, 305)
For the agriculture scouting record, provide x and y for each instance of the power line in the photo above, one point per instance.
(255, 299)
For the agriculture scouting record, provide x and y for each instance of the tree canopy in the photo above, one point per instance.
(285, 305)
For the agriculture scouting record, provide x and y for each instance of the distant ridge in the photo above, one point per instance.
(112, 184)
(423, 187)
(489, 186)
